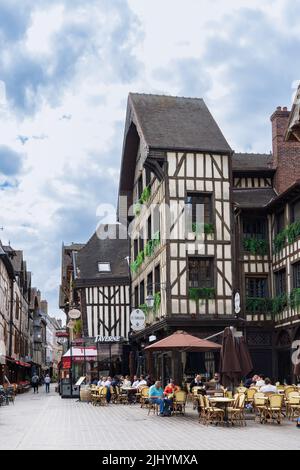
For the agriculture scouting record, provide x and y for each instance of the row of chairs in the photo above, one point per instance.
(271, 407)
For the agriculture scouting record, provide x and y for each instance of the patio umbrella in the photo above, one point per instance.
(230, 367)
(183, 341)
(244, 356)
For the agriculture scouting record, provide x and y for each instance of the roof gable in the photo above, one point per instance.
(172, 122)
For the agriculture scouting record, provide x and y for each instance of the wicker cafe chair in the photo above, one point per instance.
(259, 404)
(201, 409)
(98, 397)
(273, 411)
(123, 397)
(179, 402)
(196, 392)
(152, 407)
(241, 389)
(95, 395)
(293, 406)
(212, 414)
(236, 413)
(250, 396)
(114, 393)
(289, 389)
(144, 396)
(138, 394)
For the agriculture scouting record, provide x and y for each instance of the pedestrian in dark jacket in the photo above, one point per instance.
(35, 383)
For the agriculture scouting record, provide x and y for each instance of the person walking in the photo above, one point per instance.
(35, 383)
(47, 381)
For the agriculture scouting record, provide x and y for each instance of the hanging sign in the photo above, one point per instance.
(237, 302)
(137, 319)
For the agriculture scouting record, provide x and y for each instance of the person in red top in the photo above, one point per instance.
(170, 388)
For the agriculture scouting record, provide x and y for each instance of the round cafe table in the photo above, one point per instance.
(224, 402)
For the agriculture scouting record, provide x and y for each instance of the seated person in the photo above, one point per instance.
(197, 382)
(170, 388)
(215, 383)
(260, 381)
(126, 382)
(142, 381)
(107, 384)
(135, 382)
(115, 381)
(156, 395)
(268, 387)
(99, 383)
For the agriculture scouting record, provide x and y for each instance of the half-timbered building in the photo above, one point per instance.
(247, 242)
(95, 280)
(175, 159)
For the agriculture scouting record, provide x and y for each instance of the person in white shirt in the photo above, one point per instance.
(99, 384)
(136, 382)
(126, 383)
(260, 381)
(142, 381)
(268, 387)
(107, 382)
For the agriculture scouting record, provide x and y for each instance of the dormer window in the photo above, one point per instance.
(104, 267)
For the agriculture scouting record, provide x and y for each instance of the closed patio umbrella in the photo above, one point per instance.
(244, 356)
(230, 367)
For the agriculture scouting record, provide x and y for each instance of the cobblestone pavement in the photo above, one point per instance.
(49, 422)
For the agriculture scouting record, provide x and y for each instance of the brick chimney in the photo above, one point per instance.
(286, 155)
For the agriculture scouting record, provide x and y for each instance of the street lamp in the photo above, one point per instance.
(150, 301)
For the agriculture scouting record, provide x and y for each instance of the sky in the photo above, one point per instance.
(66, 68)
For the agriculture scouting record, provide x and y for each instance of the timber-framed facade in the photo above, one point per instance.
(175, 156)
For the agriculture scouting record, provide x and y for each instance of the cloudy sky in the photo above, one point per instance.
(66, 67)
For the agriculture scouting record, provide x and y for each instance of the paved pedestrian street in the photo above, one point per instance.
(49, 422)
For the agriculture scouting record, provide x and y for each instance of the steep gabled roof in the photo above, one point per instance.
(113, 251)
(161, 123)
(172, 122)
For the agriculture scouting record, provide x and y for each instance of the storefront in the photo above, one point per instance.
(95, 357)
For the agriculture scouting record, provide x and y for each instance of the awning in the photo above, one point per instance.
(23, 364)
(16, 362)
(90, 353)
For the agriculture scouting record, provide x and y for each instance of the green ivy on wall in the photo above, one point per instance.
(204, 293)
(256, 305)
(157, 301)
(147, 252)
(295, 298)
(280, 302)
(256, 246)
(288, 234)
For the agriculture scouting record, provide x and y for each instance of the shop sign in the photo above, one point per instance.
(237, 302)
(137, 319)
(107, 339)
